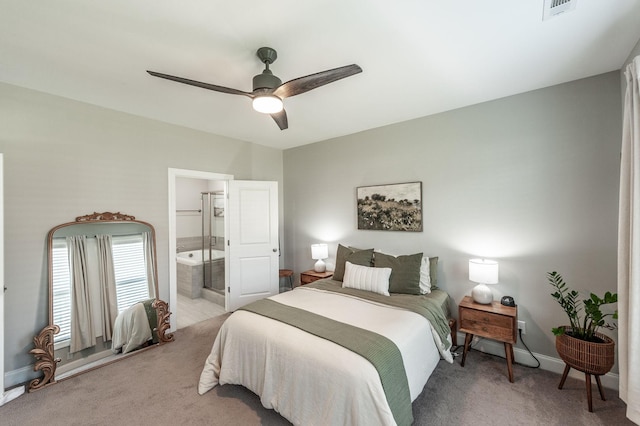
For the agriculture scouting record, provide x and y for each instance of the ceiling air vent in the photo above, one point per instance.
(556, 7)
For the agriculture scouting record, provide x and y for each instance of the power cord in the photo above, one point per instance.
(528, 350)
(454, 350)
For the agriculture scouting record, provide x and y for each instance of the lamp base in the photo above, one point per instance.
(482, 294)
(320, 266)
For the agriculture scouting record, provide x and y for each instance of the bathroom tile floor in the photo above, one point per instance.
(191, 311)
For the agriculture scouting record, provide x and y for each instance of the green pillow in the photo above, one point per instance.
(353, 255)
(405, 271)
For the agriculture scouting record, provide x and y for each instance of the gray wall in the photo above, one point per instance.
(529, 180)
(64, 159)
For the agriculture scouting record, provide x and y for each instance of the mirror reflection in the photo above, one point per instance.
(103, 295)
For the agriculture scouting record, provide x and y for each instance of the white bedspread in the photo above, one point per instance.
(310, 380)
(131, 329)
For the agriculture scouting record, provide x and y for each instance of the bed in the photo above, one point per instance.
(331, 353)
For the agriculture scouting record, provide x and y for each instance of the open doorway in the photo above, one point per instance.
(198, 264)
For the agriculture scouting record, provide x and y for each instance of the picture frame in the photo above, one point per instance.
(390, 207)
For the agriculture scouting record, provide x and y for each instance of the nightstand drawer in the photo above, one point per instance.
(310, 276)
(480, 317)
(306, 279)
(488, 321)
(503, 334)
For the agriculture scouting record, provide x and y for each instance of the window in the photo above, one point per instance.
(130, 271)
(61, 290)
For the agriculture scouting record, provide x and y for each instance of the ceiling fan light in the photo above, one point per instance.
(269, 104)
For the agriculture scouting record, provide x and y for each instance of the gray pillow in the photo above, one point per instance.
(353, 255)
(405, 271)
(433, 272)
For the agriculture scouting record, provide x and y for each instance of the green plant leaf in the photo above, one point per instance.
(586, 327)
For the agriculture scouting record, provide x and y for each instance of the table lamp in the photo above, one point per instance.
(319, 252)
(483, 272)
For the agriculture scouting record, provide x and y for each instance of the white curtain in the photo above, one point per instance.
(150, 260)
(107, 278)
(629, 248)
(82, 333)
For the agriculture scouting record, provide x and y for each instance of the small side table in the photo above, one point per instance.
(494, 321)
(310, 276)
(287, 273)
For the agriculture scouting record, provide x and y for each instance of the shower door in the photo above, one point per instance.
(253, 242)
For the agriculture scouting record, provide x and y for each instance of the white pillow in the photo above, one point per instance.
(365, 278)
(425, 276)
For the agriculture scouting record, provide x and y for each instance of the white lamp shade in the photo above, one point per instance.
(483, 271)
(267, 104)
(319, 251)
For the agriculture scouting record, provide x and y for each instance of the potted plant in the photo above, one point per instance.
(580, 344)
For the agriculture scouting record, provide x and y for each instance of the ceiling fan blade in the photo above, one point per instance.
(281, 119)
(201, 84)
(304, 84)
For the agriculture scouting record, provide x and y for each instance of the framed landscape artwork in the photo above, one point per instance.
(394, 207)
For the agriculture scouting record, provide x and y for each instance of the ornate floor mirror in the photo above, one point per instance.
(103, 288)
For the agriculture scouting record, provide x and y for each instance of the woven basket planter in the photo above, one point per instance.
(588, 357)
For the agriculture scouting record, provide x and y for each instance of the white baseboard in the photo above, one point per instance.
(522, 356)
(11, 394)
(19, 376)
(26, 374)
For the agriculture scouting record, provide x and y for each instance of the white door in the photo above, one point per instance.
(18, 390)
(253, 242)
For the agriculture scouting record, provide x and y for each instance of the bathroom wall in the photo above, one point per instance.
(189, 214)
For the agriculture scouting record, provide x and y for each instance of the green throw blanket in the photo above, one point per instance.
(430, 306)
(380, 351)
(152, 316)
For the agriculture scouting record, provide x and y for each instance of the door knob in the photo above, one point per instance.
(275, 250)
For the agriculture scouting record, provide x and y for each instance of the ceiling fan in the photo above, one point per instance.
(268, 90)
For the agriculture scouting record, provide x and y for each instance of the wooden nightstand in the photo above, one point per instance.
(494, 321)
(310, 276)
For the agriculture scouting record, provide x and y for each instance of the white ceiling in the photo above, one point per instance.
(419, 57)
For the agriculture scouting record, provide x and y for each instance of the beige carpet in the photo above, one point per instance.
(158, 387)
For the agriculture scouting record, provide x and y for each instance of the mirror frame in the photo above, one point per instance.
(43, 350)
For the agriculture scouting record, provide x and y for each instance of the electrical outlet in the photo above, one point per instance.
(522, 326)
